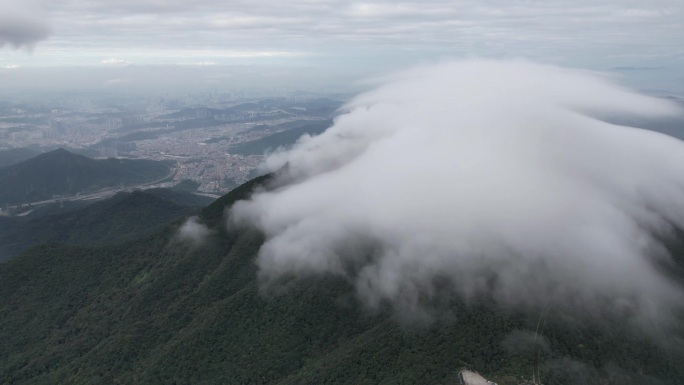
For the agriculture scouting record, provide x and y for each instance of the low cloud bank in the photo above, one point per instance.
(488, 179)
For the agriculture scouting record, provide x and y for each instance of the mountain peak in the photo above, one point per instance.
(60, 151)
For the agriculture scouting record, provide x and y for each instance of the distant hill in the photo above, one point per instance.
(158, 311)
(203, 112)
(60, 172)
(120, 217)
(186, 185)
(320, 107)
(16, 155)
(283, 139)
(673, 126)
(192, 113)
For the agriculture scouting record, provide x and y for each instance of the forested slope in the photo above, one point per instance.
(123, 216)
(159, 311)
(60, 172)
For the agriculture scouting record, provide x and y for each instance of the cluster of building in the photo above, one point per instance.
(202, 153)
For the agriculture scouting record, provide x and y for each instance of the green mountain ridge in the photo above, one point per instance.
(123, 216)
(60, 172)
(157, 310)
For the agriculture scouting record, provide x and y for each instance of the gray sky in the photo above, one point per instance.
(366, 37)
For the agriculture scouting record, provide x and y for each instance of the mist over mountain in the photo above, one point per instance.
(60, 172)
(163, 308)
(477, 214)
(489, 180)
(374, 192)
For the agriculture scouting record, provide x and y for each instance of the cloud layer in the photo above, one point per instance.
(488, 179)
(373, 35)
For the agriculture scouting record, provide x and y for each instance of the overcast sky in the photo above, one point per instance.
(364, 36)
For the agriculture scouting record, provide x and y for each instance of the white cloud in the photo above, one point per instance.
(193, 231)
(486, 179)
(391, 10)
(114, 61)
(114, 82)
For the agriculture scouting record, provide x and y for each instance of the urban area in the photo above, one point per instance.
(215, 140)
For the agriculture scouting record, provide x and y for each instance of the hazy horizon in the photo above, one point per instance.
(107, 46)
